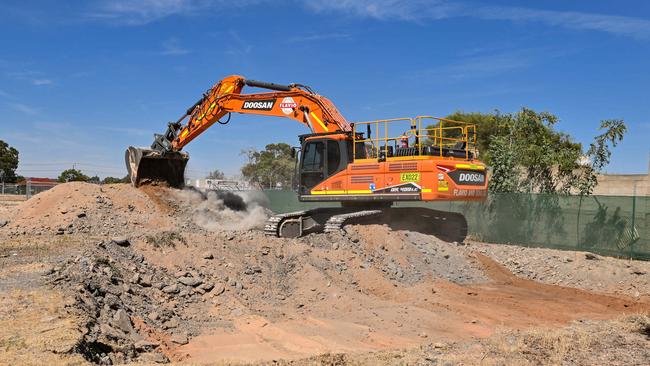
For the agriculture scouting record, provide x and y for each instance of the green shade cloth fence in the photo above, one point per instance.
(609, 225)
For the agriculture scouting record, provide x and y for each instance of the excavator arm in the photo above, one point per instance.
(165, 160)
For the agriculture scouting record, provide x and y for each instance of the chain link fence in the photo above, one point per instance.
(9, 188)
(26, 188)
(609, 225)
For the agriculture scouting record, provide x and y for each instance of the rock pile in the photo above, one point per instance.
(132, 310)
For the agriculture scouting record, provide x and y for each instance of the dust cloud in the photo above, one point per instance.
(225, 210)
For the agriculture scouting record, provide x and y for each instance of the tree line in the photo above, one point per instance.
(526, 153)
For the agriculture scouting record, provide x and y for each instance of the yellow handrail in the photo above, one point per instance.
(446, 133)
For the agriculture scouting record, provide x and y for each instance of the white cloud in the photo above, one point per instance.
(389, 9)
(33, 77)
(39, 82)
(23, 108)
(319, 37)
(52, 126)
(173, 47)
(480, 64)
(142, 12)
(486, 64)
(134, 13)
(423, 10)
(615, 24)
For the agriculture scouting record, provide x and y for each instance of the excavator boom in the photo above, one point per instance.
(165, 161)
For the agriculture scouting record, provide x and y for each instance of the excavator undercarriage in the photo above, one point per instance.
(448, 226)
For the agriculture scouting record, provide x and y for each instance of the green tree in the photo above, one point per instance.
(216, 174)
(269, 167)
(503, 162)
(72, 175)
(8, 162)
(599, 153)
(526, 153)
(488, 125)
(112, 180)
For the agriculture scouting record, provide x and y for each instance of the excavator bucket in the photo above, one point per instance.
(147, 165)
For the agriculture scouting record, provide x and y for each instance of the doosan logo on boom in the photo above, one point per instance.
(265, 105)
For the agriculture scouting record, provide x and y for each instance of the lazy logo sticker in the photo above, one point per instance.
(287, 105)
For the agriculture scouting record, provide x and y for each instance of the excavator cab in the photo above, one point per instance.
(322, 156)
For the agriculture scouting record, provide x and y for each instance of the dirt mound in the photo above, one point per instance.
(120, 209)
(87, 209)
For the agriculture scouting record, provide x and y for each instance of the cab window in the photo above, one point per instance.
(313, 156)
(333, 157)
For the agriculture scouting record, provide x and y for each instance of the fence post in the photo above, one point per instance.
(28, 188)
(633, 216)
(578, 221)
(3, 187)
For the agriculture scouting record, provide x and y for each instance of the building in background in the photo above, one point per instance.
(623, 185)
(32, 185)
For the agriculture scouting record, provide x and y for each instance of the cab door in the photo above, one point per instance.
(312, 166)
(320, 159)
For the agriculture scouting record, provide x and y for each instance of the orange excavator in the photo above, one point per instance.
(369, 167)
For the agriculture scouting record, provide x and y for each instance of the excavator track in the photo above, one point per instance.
(273, 223)
(336, 223)
(448, 226)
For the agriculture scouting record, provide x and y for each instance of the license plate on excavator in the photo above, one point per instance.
(409, 177)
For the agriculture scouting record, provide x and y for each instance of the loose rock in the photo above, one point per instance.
(179, 338)
(154, 357)
(145, 345)
(121, 241)
(171, 289)
(219, 289)
(122, 321)
(190, 281)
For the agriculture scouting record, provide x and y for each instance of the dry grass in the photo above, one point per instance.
(165, 239)
(36, 330)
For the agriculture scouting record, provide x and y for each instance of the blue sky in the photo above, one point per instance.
(82, 80)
